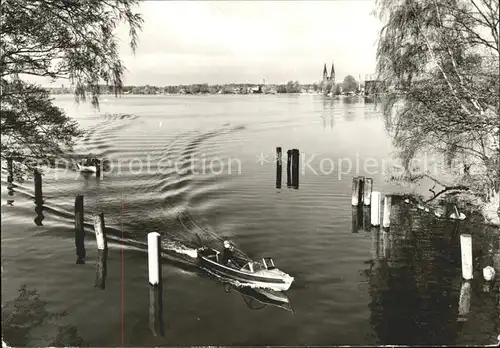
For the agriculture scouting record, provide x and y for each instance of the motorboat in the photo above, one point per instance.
(261, 274)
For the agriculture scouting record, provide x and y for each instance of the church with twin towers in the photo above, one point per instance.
(328, 82)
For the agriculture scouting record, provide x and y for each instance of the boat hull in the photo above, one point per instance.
(257, 279)
(86, 169)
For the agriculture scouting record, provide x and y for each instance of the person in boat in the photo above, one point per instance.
(227, 253)
(89, 160)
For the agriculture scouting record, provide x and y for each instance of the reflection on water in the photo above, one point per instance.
(328, 113)
(39, 212)
(410, 288)
(10, 192)
(361, 219)
(256, 298)
(366, 218)
(27, 322)
(416, 291)
(101, 269)
(357, 218)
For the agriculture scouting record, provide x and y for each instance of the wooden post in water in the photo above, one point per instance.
(386, 222)
(38, 198)
(355, 191)
(155, 284)
(367, 191)
(10, 170)
(361, 187)
(100, 232)
(295, 168)
(466, 250)
(98, 169)
(102, 251)
(288, 166)
(79, 230)
(278, 167)
(38, 187)
(375, 208)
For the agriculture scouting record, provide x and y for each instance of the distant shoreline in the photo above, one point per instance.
(218, 94)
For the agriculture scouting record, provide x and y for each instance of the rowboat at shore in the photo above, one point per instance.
(252, 273)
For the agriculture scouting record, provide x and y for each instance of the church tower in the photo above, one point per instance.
(325, 74)
(332, 74)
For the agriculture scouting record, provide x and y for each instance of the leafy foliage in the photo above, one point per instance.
(26, 317)
(57, 39)
(349, 84)
(439, 62)
(34, 131)
(290, 87)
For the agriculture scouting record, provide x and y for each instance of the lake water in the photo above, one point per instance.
(201, 169)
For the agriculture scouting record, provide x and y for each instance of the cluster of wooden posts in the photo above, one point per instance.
(292, 168)
(154, 248)
(154, 262)
(362, 194)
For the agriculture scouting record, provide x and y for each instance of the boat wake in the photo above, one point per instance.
(180, 248)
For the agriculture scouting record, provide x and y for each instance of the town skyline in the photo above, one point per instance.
(358, 77)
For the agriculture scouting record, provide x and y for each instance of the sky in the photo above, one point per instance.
(217, 42)
(185, 42)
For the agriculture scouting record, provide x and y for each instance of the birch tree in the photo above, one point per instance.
(440, 60)
(57, 39)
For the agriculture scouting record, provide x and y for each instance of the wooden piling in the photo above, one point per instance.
(466, 251)
(278, 167)
(367, 191)
(38, 187)
(361, 188)
(155, 284)
(355, 191)
(98, 169)
(154, 258)
(295, 168)
(38, 198)
(386, 222)
(288, 168)
(100, 232)
(79, 230)
(375, 208)
(102, 251)
(101, 269)
(10, 170)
